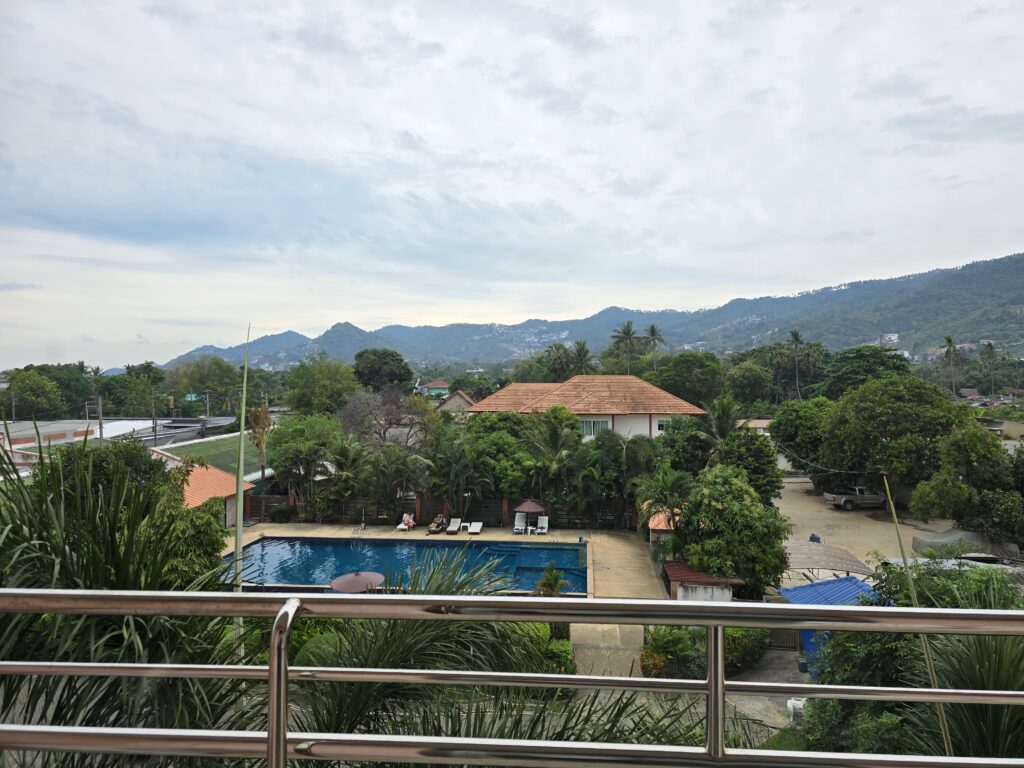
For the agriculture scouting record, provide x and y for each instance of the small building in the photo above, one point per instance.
(435, 388)
(761, 426)
(686, 583)
(660, 528)
(624, 404)
(848, 590)
(995, 426)
(205, 483)
(457, 402)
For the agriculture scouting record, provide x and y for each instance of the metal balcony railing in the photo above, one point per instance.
(277, 744)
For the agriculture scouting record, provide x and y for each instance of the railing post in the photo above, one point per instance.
(277, 709)
(715, 720)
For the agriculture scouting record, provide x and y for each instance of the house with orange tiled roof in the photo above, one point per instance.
(205, 483)
(626, 404)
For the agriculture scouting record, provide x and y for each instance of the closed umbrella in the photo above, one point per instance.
(360, 581)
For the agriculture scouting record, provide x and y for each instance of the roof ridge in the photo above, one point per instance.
(541, 397)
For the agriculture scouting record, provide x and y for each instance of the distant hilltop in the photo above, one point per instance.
(982, 300)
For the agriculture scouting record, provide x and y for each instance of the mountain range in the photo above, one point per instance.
(981, 300)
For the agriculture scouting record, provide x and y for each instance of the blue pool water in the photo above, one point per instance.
(274, 560)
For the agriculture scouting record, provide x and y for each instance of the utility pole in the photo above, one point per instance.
(152, 405)
(207, 393)
(14, 411)
(99, 405)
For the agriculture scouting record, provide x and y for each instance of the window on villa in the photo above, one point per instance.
(662, 423)
(593, 427)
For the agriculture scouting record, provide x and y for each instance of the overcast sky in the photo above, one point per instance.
(171, 171)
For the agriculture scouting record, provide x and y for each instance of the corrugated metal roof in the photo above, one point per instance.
(845, 591)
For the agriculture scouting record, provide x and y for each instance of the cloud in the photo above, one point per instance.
(4, 287)
(955, 123)
(140, 339)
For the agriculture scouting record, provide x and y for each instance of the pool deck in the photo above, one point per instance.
(618, 565)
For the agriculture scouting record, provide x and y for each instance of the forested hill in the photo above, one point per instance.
(983, 300)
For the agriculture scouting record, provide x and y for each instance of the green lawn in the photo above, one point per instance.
(221, 453)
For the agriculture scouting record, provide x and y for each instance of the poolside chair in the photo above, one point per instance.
(542, 524)
(520, 524)
(437, 526)
(454, 526)
(407, 524)
(476, 527)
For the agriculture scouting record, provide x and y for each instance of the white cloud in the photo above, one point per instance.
(169, 166)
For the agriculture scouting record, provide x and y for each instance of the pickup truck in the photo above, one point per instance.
(850, 498)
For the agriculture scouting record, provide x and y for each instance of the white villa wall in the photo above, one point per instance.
(633, 424)
(702, 592)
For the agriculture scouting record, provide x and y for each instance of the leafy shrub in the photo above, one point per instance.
(679, 652)
(744, 647)
(560, 657)
(280, 513)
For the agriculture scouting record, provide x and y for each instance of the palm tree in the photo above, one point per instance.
(626, 339)
(457, 474)
(551, 444)
(952, 355)
(351, 465)
(720, 421)
(396, 471)
(260, 425)
(654, 338)
(581, 361)
(988, 357)
(795, 339)
(557, 362)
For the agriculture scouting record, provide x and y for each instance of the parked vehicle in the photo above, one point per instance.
(854, 498)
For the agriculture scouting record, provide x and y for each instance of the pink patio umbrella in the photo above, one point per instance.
(360, 581)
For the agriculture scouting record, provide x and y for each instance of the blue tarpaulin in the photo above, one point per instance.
(845, 591)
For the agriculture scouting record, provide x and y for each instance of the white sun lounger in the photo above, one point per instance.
(520, 524)
(453, 526)
(542, 524)
(476, 527)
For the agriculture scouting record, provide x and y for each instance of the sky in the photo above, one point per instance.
(170, 172)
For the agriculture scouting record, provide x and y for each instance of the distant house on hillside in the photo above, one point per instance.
(457, 402)
(625, 404)
(761, 426)
(435, 388)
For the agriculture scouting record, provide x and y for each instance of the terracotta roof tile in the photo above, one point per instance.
(588, 395)
(205, 483)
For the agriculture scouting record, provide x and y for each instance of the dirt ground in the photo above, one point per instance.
(861, 532)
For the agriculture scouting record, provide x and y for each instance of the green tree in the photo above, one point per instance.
(799, 429)
(795, 339)
(697, 377)
(394, 472)
(554, 438)
(720, 421)
(299, 449)
(476, 385)
(581, 360)
(756, 456)
(34, 396)
(626, 341)
(457, 474)
(351, 463)
(260, 424)
(505, 460)
(951, 353)
(654, 338)
(895, 424)
(723, 516)
(850, 368)
(320, 385)
(749, 382)
(73, 380)
(116, 459)
(204, 377)
(379, 369)
(684, 443)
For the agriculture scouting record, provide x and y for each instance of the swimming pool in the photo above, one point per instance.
(286, 560)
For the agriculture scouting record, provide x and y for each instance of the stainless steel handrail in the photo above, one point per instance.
(277, 743)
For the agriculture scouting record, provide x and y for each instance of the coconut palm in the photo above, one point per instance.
(795, 340)
(396, 471)
(625, 338)
(581, 361)
(457, 474)
(351, 463)
(551, 444)
(654, 339)
(557, 362)
(952, 355)
(260, 425)
(719, 422)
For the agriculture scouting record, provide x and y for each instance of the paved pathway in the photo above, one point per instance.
(622, 568)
